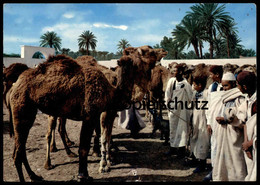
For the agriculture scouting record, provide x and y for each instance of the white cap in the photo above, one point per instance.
(229, 76)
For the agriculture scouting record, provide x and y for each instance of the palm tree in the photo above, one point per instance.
(173, 47)
(211, 17)
(65, 51)
(50, 39)
(87, 40)
(228, 31)
(123, 43)
(187, 33)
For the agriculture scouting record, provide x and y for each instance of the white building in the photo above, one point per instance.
(27, 53)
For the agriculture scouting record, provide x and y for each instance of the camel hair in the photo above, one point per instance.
(111, 76)
(82, 96)
(10, 76)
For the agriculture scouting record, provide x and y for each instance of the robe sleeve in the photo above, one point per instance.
(168, 91)
(230, 114)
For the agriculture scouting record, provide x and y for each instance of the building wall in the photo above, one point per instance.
(238, 61)
(27, 53)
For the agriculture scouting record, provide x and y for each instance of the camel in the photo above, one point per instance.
(83, 95)
(84, 61)
(10, 76)
(111, 75)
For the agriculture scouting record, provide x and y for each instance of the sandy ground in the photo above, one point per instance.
(138, 160)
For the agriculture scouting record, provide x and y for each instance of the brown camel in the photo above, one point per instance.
(10, 76)
(84, 61)
(83, 95)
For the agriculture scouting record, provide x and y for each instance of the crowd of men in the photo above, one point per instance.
(226, 129)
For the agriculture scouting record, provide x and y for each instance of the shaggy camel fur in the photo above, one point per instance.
(83, 95)
(84, 61)
(10, 76)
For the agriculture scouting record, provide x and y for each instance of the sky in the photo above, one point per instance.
(138, 23)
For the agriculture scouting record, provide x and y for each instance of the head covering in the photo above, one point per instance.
(229, 76)
(246, 77)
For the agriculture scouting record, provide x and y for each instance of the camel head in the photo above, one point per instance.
(160, 53)
(144, 59)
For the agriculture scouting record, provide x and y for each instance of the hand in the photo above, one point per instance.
(246, 145)
(209, 130)
(221, 120)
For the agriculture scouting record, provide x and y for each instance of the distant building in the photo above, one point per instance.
(27, 53)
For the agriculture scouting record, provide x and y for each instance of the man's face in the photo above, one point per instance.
(213, 76)
(197, 87)
(175, 72)
(227, 85)
(241, 88)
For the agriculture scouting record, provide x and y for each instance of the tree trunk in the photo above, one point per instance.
(211, 43)
(196, 49)
(87, 50)
(228, 50)
(200, 50)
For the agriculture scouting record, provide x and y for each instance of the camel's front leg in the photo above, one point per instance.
(106, 123)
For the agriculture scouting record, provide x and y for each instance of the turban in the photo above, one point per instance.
(229, 76)
(246, 77)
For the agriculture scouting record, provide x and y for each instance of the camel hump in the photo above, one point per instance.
(13, 71)
(87, 59)
(62, 63)
(53, 58)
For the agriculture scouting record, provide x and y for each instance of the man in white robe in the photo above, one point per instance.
(229, 162)
(247, 114)
(178, 94)
(200, 138)
(214, 109)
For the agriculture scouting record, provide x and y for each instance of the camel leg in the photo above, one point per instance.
(49, 136)
(51, 132)
(63, 135)
(96, 147)
(106, 122)
(11, 127)
(62, 129)
(23, 122)
(84, 146)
